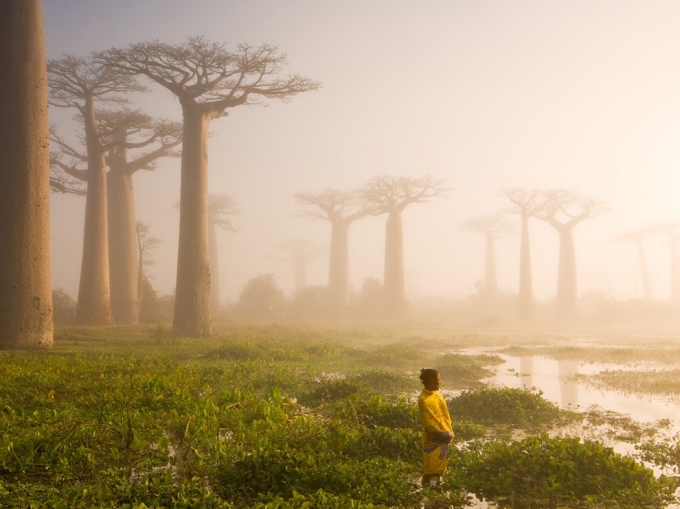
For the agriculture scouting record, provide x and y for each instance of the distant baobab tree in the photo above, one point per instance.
(145, 244)
(391, 195)
(150, 139)
(147, 139)
(672, 229)
(207, 79)
(301, 252)
(526, 204)
(220, 207)
(341, 209)
(638, 237)
(493, 227)
(60, 181)
(563, 210)
(25, 285)
(80, 83)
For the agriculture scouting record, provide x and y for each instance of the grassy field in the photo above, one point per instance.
(294, 417)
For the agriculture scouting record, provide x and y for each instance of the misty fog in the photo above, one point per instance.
(580, 96)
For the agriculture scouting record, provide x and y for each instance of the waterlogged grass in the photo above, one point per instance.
(604, 355)
(268, 417)
(657, 382)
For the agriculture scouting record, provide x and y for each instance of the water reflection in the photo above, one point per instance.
(557, 380)
(568, 385)
(526, 371)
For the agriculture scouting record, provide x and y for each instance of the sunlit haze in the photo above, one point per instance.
(579, 95)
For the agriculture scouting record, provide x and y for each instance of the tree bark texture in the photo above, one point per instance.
(526, 310)
(25, 285)
(214, 269)
(94, 293)
(395, 289)
(566, 276)
(338, 266)
(123, 263)
(192, 298)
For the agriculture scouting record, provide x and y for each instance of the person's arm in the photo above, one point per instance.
(445, 414)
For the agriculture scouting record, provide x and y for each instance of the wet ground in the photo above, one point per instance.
(559, 382)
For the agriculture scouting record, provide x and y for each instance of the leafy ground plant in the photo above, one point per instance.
(542, 472)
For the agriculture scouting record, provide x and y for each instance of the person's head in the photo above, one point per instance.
(430, 379)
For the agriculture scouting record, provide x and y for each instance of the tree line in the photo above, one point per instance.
(115, 142)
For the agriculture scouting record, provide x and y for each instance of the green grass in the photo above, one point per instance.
(256, 416)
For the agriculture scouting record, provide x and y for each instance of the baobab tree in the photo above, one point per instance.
(125, 131)
(60, 181)
(563, 210)
(80, 83)
(525, 203)
(207, 79)
(220, 207)
(638, 237)
(493, 227)
(341, 209)
(391, 195)
(25, 286)
(130, 129)
(145, 243)
(672, 229)
(301, 252)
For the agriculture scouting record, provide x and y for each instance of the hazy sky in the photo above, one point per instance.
(583, 95)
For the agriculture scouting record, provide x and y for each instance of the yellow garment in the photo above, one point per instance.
(435, 418)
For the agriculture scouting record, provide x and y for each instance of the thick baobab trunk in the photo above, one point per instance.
(338, 265)
(192, 298)
(123, 263)
(675, 272)
(490, 278)
(526, 309)
(214, 269)
(646, 283)
(94, 297)
(395, 290)
(25, 292)
(566, 276)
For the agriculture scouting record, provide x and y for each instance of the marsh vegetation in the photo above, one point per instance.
(279, 417)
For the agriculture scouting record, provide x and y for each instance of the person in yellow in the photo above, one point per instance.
(437, 430)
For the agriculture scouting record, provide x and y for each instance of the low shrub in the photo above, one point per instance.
(542, 472)
(513, 407)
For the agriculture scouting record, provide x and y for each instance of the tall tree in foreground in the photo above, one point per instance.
(207, 79)
(391, 195)
(525, 203)
(220, 207)
(493, 227)
(638, 237)
(341, 209)
(564, 210)
(25, 285)
(79, 83)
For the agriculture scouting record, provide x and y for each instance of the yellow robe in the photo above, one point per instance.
(435, 418)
